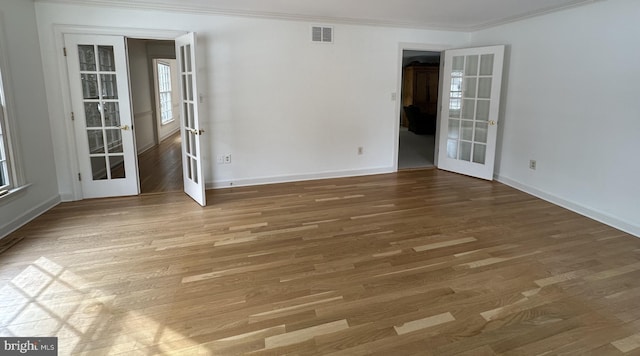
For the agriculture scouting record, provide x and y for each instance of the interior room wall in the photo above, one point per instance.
(571, 103)
(140, 85)
(284, 108)
(24, 83)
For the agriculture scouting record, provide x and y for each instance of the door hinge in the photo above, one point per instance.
(73, 117)
(79, 177)
(64, 51)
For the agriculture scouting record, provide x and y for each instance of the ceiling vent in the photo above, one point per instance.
(322, 34)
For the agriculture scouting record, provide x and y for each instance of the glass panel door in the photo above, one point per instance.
(469, 117)
(102, 115)
(101, 109)
(190, 124)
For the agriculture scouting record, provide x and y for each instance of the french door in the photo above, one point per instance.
(99, 85)
(98, 80)
(191, 131)
(470, 107)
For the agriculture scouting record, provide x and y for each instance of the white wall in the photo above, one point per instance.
(140, 84)
(142, 72)
(24, 83)
(285, 108)
(572, 103)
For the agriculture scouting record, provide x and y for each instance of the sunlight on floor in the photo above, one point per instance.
(45, 299)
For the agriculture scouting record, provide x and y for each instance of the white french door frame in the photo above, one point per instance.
(425, 47)
(65, 89)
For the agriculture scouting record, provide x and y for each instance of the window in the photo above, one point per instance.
(164, 92)
(5, 166)
(11, 176)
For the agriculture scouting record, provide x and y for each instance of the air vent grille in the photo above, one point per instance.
(322, 34)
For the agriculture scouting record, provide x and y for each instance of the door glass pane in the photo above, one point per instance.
(92, 115)
(187, 143)
(183, 66)
(194, 165)
(465, 151)
(452, 149)
(468, 108)
(111, 114)
(479, 153)
(458, 63)
(106, 58)
(190, 84)
(187, 50)
(484, 88)
(117, 167)
(186, 114)
(185, 88)
(99, 168)
(471, 67)
(481, 132)
(467, 130)
(193, 143)
(482, 113)
(454, 108)
(192, 122)
(454, 128)
(470, 87)
(89, 86)
(87, 57)
(114, 141)
(189, 169)
(486, 64)
(96, 141)
(109, 86)
(456, 87)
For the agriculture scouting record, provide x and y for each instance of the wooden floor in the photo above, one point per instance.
(160, 167)
(420, 262)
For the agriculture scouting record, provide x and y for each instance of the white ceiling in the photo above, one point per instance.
(460, 15)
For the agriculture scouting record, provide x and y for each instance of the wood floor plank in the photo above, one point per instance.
(420, 262)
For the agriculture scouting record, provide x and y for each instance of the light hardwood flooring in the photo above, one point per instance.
(421, 262)
(160, 167)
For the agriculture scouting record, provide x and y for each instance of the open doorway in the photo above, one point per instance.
(156, 114)
(418, 114)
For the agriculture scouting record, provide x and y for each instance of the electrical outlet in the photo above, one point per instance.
(227, 159)
(532, 164)
(394, 96)
(360, 150)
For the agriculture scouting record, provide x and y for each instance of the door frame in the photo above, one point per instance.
(407, 46)
(65, 89)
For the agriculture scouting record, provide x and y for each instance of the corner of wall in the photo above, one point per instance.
(28, 216)
(625, 226)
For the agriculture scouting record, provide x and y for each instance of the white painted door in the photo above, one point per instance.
(470, 107)
(190, 124)
(98, 80)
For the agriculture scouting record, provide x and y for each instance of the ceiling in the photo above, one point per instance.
(458, 15)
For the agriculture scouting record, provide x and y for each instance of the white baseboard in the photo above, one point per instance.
(144, 149)
(29, 215)
(245, 182)
(577, 208)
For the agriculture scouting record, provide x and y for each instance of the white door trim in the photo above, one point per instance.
(65, 90)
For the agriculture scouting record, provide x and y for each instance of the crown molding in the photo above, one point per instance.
(212, 10)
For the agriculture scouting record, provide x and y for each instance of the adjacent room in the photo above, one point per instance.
(205, 177)
(418, 117)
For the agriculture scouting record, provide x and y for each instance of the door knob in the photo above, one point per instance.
(124, 127)
(492, 123)
(196, 132)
